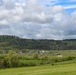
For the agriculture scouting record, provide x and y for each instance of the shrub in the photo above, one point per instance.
(12, 59)
(35, 56)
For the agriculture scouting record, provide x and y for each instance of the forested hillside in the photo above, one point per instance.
(13, 42)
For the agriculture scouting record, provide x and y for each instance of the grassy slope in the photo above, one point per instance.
(57, 69)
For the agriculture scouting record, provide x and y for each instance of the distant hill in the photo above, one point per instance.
(13, 42)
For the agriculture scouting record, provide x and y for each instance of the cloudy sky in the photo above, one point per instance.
(38, 19)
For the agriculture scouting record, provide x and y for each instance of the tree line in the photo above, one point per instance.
(12, 42)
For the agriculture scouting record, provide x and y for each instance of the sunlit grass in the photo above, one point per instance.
(57, 69)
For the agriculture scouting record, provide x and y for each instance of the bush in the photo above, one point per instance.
(12, 59)
(70, 58)
(35, 56)
(9, 61)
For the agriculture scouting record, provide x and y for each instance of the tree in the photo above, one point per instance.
(12, 59)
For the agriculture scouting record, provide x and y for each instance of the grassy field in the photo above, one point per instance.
(64, 68)
(67, 67)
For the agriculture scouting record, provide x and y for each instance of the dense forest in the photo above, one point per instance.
(13, 42)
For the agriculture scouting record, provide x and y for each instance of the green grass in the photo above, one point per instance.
(59, 68)
(66, 68)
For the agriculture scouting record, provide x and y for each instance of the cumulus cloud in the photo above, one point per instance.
(33, 19)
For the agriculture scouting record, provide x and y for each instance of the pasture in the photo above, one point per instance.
(66, 68)
(44, 63)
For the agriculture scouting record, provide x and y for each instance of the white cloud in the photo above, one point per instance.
(30, 19)
(69, 6)
(3, 22)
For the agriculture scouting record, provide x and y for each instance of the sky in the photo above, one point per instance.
(38, 19)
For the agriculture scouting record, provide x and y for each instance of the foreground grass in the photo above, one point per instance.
(57, 69)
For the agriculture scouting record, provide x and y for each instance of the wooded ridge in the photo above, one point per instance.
(12, 42)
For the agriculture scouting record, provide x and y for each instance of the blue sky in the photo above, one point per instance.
(68, 5)
(38, 19)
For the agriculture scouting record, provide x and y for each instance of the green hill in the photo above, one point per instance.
(13, 42)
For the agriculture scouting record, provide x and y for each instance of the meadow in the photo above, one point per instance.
(55, 62)
(65, 68)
